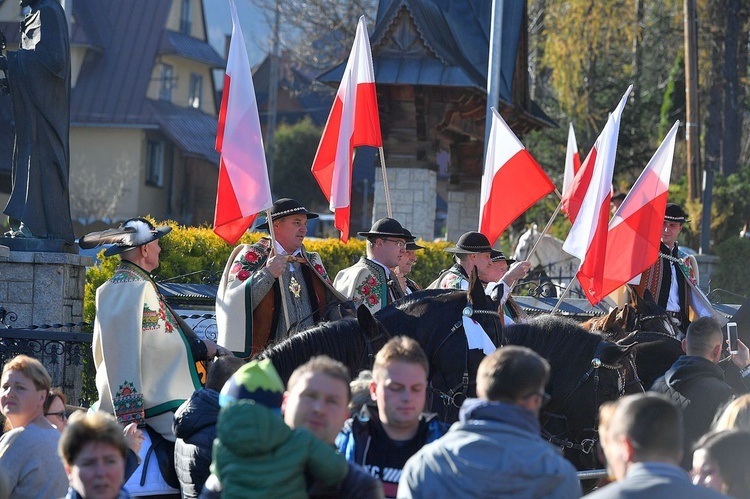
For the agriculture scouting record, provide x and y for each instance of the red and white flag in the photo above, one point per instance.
(587, 239)
(635, 231)
(244, 189)
(512, 180)
(572, 160)
(353, 122)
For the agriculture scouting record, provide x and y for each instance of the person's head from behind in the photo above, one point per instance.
(735, 416)
(257, 381)
(24, 386)
(55, 410)
(360, 388)
(221, 370)
(642, 427)
(704, 339)
(399, 385)
(93, 450)
(720, 462)
(514, 375)
(317, 397)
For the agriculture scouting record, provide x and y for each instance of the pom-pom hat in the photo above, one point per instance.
(257, 380)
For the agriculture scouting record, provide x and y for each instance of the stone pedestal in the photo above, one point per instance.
(43, 288)
(413, 196)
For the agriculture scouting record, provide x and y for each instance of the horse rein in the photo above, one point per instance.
(586, 445)
(456, 395)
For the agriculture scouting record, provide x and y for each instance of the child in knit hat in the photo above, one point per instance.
(255, 452)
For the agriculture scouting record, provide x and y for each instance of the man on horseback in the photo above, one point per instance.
(286, 287)
(473, 249)
(512, 312)
(405, 264)
(672, 279)
(370, 280)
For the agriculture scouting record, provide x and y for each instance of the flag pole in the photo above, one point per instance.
(385, 183)
(559, 301)
(281, 281)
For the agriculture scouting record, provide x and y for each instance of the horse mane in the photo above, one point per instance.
(558, 339)
(328, 338)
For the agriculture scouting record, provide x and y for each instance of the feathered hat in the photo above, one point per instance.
(130, 234)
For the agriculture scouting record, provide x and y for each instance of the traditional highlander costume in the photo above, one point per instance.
(249, 311)
(144, 357)
(369, 281)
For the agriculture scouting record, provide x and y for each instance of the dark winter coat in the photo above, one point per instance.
(195, 428)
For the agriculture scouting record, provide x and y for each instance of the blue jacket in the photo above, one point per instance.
(357, 431)
(195, 428)
(493, 451)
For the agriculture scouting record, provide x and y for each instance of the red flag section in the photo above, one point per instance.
(512, 180)
(572, 160)
(587, 239)
(353, 122)
(573, 196)
(243, 190)
(635, 230)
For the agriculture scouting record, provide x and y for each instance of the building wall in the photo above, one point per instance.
(196, 28)
(463, 213)
(105, 171)
(181, 89)
(413, 197)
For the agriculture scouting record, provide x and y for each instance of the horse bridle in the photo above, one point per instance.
(456, 395)
(664, 319)
(585, 445)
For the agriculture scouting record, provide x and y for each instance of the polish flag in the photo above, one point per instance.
(587, 239)
(572, 160)
(574, 193)
(244, 189)
(635, 231)
(512, 180)
(353, 122)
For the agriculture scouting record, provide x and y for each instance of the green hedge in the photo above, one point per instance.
(194, 251)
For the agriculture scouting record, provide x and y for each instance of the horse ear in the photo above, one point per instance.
(611, 319)
(614, 354)
(366, 321)
(476, 290)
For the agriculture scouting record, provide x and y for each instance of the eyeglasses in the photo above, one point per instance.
(60, 415)
(546, 397)
(400, 243)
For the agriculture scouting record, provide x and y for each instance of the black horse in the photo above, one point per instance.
(586, 371)
(432, 317)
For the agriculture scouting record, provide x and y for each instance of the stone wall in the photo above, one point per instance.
(463, 213)
(43, 288)
(413, 199)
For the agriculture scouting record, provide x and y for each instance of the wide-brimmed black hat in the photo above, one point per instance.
(285, 207)
(498, 256)
(411, 245)
(387, 227)
(473, 243)
(620, 196)
(675, 213)
(130, 234)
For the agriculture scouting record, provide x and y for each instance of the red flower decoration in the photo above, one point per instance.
(168, 326)
(242, 275)
(236, 267)
(319, 269)
(371, 281)
(251, 257)
(365, 289)
(126, 391)
(372, 299)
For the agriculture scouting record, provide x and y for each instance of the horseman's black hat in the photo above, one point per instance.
(674, 213)
(472, 243)
(387, 227)
(411, 245)
(286, 207)
(500, 257)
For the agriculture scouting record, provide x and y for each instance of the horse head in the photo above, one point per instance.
(655, 352)
(649, 315)
(586, 371)
(525, 242)
(609, 326)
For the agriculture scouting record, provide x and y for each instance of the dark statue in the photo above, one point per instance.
(38, 77)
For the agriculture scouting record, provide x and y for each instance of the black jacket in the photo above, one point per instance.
(697, 386)
(195, 429)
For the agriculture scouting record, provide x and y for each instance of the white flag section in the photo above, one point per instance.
(572, 160)
(244, 189)
(581, 234)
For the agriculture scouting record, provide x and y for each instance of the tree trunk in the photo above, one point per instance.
(715, 108)
(733, 92)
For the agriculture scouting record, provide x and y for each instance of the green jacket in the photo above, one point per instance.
(256, 454)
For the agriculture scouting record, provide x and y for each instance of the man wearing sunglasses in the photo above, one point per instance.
(370, 280)
(499, 431)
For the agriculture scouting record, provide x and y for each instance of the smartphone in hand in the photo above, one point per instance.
(732, 336)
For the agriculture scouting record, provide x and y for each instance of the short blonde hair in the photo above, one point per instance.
(84, 428)
(399, 349)
(735, 416)
(32, 369)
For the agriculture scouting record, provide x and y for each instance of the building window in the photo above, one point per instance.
(167, 82)
(196, 90)
(155, 163)
(186, 16)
